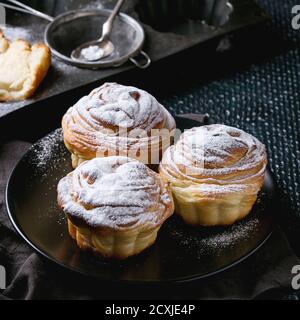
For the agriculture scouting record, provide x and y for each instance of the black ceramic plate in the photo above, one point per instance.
(181, 253)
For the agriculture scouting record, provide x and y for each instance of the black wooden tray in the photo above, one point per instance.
(160, 44)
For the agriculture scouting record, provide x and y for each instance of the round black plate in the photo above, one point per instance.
(181, 253)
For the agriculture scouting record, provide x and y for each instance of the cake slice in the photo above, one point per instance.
(22, 68)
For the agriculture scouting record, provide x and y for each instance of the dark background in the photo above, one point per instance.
(254, 86)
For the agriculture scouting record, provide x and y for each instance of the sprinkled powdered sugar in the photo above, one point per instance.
(114, 192)
(94, 4)
(121, 106)
(48, 153)
(13, 33)
(222, 147)
(215, 242)
(217, 158)
(92, 53)
(97, 119)
(47, 146)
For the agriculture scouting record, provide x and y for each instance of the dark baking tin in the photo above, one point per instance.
(175, 258)
(161, 40)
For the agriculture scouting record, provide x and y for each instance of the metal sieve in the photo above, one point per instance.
(69, 30)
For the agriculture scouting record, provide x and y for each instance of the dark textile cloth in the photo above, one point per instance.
(31, 277)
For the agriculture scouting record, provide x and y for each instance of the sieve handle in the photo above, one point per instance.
(27, 9)
(146, 60)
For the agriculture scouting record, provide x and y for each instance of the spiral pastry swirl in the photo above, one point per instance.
(113, 202)
(214, 170)
(117, 120)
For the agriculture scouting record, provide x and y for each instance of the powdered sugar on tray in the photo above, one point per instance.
(13, 33)
(91, 5)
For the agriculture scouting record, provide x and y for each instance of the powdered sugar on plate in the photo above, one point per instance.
(46, 147)
(213, 241)
(48, 153)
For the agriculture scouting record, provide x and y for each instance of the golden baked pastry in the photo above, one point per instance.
(22, 68)
(115, 206)
(116, 120)
(215, 174)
